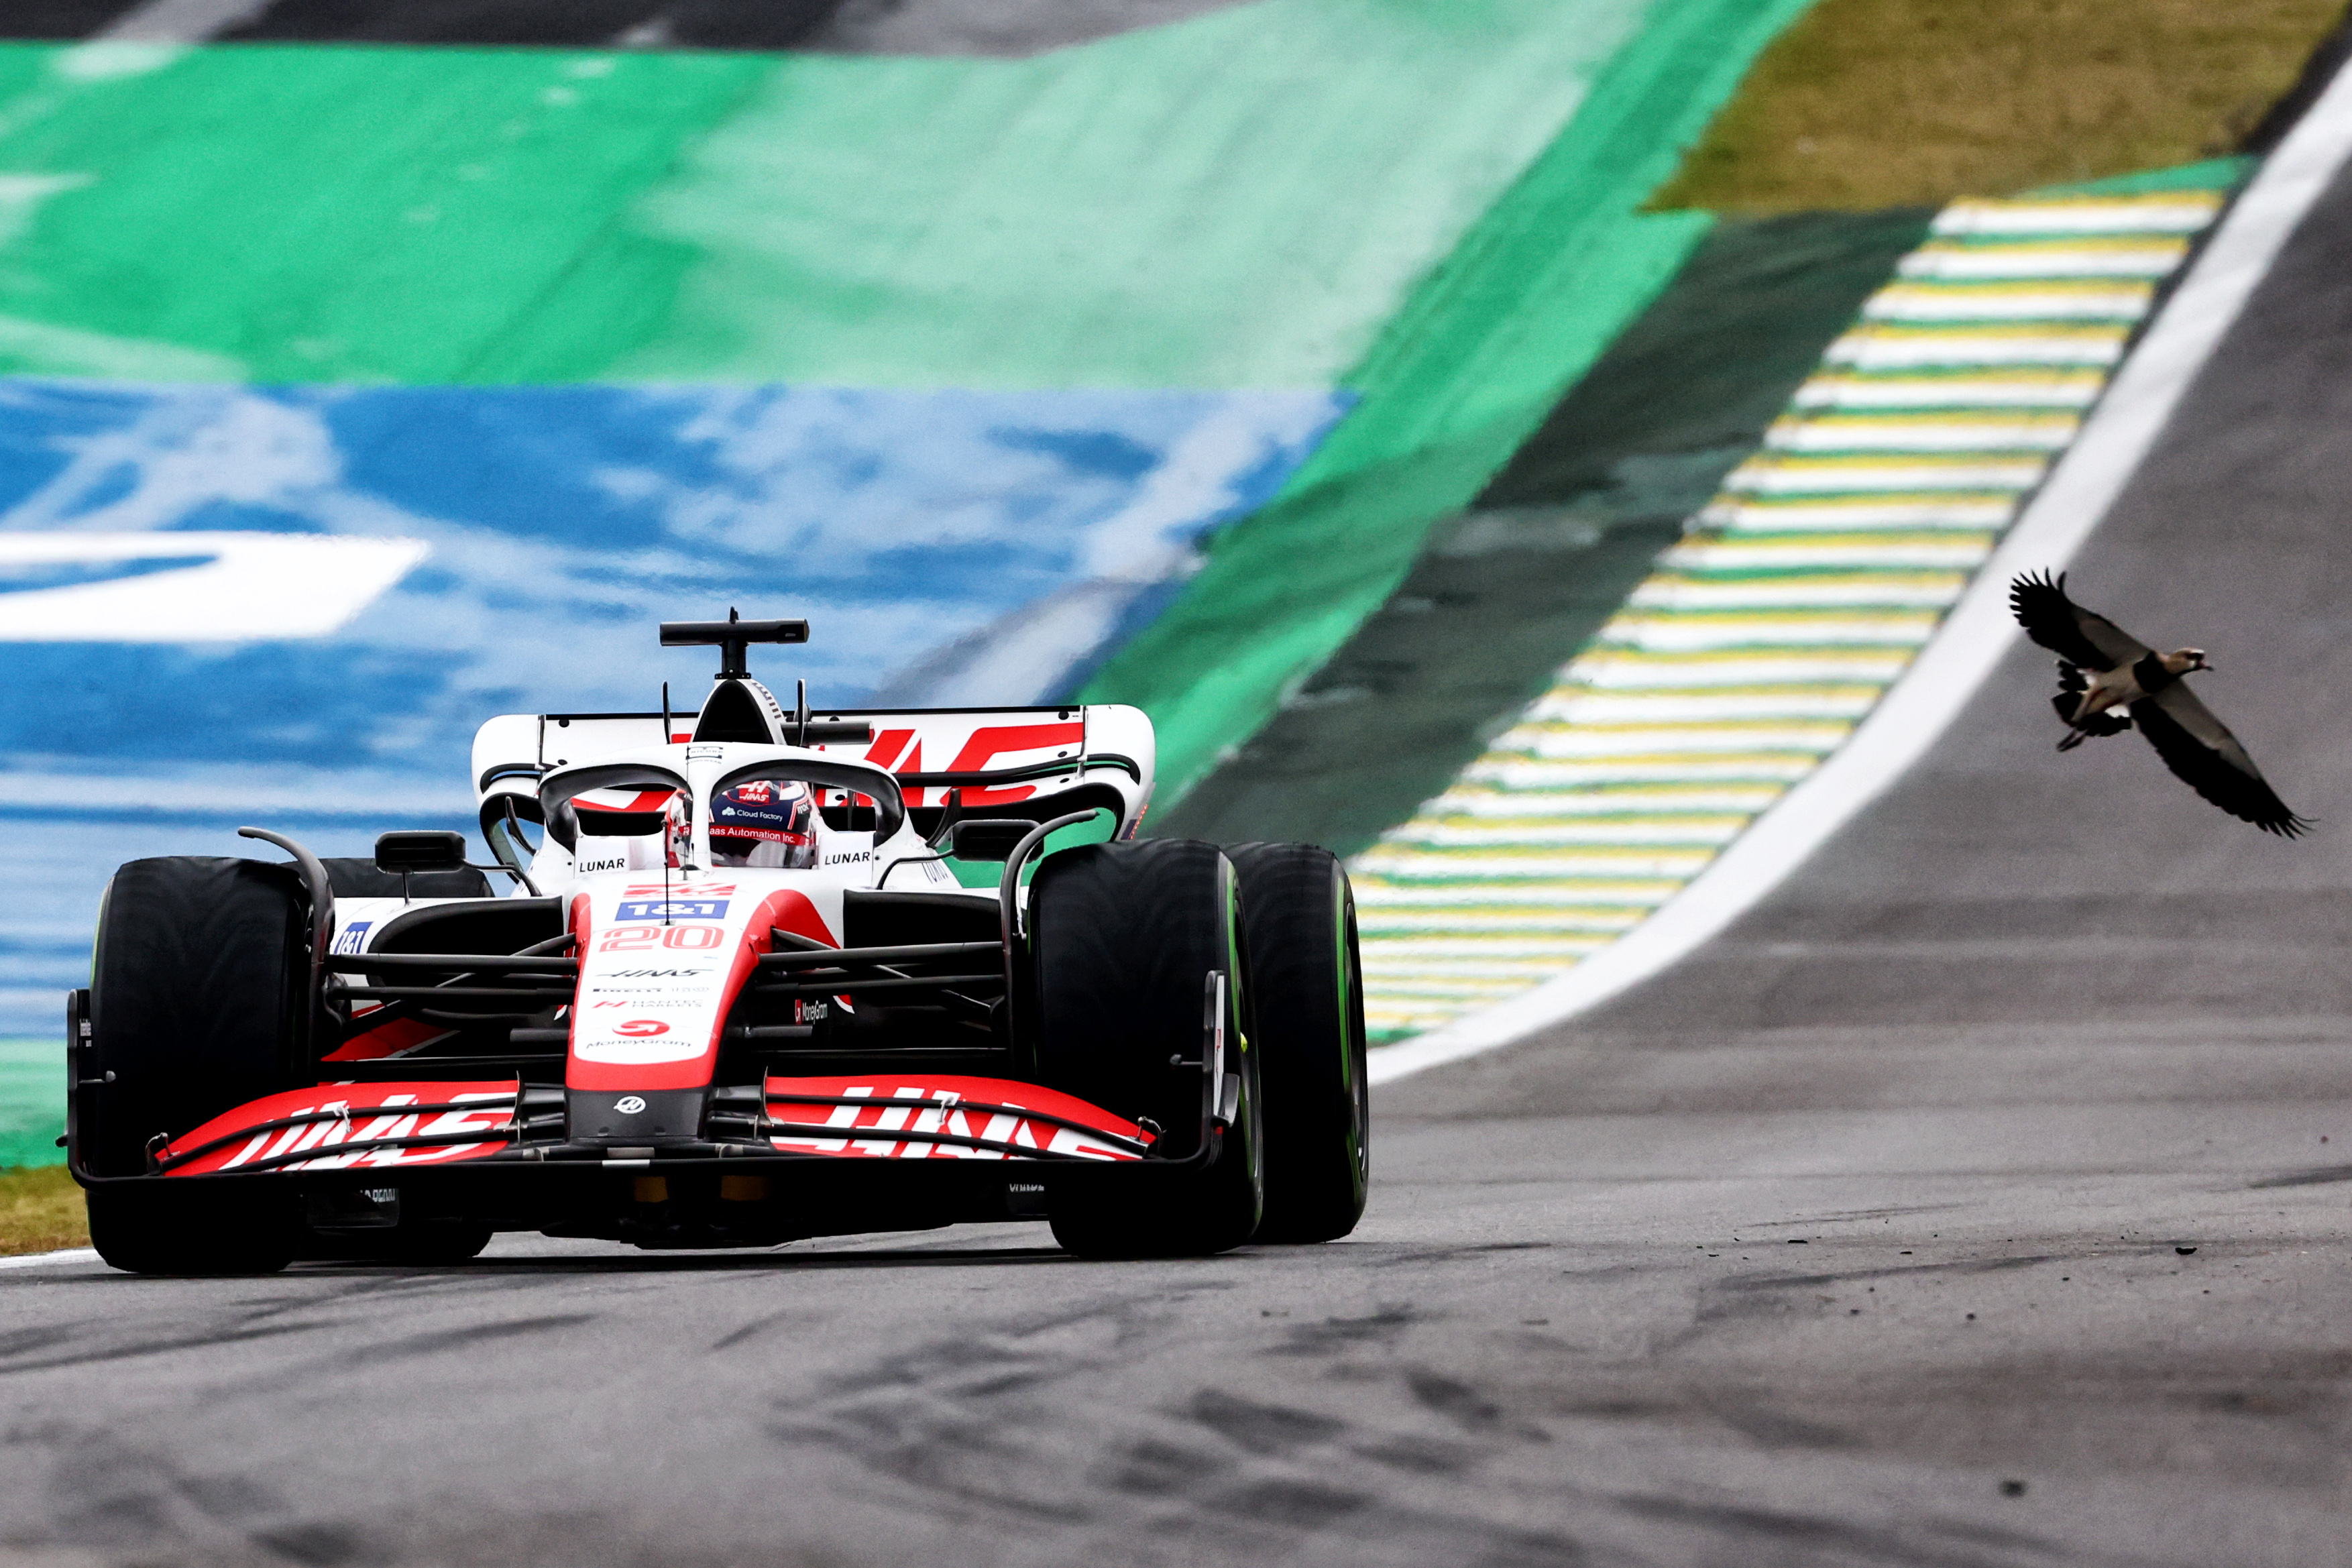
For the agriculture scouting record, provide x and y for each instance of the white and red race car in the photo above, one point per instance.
(739, 992)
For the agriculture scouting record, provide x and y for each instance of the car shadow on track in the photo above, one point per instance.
(641, 1263)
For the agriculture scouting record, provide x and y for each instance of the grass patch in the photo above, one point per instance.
(32, 1100)
(40, 1211)
(1879, 103)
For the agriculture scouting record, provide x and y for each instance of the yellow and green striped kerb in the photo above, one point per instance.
(1795, 599)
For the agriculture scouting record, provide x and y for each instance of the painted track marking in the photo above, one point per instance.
(41, 1259)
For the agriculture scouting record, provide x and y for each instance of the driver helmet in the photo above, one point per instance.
(765, 822)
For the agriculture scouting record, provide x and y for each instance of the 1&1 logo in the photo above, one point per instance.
(672, 909)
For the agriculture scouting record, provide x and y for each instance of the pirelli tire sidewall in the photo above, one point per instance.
(1123, 938)
(1307, 981)
(197, 984)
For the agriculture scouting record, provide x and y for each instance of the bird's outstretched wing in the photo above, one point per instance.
(2067, 629)
(2204, 756)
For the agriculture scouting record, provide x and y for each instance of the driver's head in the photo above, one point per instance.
(767, 822)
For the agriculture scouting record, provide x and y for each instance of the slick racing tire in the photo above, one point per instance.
(410, 1246)
(186, 1229)
(423, 1246)
(1307, 998)
(196, 990)
(1125, 937)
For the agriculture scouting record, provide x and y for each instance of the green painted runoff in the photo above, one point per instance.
(1239, 200)
(32, 1101)
(1242, 199)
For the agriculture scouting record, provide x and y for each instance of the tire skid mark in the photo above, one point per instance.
(1806, 1282)
(978, 1426)
(1332, 1336)
(459, 1338)
(1258, 1427)
(1963, 1546)
(2311, 1178)
(134, 1349)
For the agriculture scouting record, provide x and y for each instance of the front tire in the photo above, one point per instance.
(197, 987)
(1300, 916)
(147, 1227)
(1125, 938)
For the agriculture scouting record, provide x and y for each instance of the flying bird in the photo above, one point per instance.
(2108, 680)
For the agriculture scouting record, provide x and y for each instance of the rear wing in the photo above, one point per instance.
(1000, 762)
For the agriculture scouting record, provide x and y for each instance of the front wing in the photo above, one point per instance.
(899, 1116)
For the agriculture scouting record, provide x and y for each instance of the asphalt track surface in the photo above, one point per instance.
(2030, 1028)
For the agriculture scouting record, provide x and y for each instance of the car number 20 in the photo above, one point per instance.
(688, 938)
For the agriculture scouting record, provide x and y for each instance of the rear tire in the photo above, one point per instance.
(196, 993)
(419, 1245)
(1300, 916)
(1125, 937)
(440, 1244)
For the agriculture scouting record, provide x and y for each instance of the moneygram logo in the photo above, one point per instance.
(641, 1026)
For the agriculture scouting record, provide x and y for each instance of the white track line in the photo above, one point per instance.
(179, 21)
(1918, 706)
(38, 1259)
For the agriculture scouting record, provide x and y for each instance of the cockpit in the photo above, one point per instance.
(765, 822)
(780, 813)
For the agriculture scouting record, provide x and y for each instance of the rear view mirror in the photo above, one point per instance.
(619, 824)
(987, 838)
(420, 851)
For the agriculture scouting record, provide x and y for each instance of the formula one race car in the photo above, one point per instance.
(739, 992)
